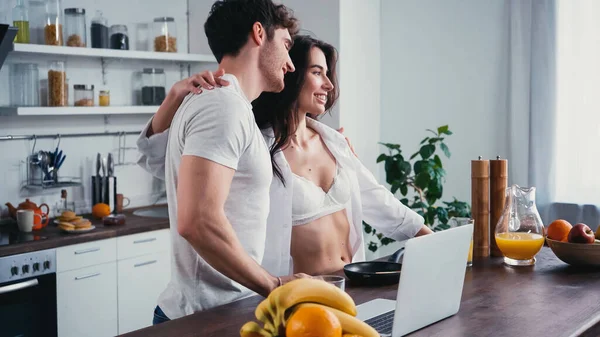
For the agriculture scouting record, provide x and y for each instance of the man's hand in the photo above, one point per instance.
(341, 130)
(206, 79)
(288, 278)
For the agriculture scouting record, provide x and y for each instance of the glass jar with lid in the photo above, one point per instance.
(75, 27)
(84, 94)
(53, 30)
(104, 97)
(25, 84)
(153, 86)
(100, 30)
(20, 16)
(37, 21)
(57, 84)
(119, 37)
(165, 35)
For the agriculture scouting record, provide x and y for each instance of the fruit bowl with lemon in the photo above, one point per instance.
(307, 307)
(576, 245)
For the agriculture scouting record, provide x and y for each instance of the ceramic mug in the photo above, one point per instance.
(25, 219)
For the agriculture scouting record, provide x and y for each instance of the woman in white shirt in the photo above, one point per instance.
(320, 192)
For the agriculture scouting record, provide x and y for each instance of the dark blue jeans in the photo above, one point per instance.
(159, 316)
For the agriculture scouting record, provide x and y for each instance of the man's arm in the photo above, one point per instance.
(202, 190)
(164, 116)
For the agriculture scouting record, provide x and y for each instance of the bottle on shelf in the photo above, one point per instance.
(100, 30)
(53, 31)
(20, 16)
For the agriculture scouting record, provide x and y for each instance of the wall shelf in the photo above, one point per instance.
(36, 49)
(72, 111)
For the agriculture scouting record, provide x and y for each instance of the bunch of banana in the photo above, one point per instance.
(275, 310)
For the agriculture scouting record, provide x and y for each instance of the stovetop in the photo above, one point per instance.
(10, 235)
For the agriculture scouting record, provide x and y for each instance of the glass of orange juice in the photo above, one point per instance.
(457, 221)
(520, 231)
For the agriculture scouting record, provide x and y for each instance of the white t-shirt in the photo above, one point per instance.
(217, 125)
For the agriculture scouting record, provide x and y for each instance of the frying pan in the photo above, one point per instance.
(376, 273)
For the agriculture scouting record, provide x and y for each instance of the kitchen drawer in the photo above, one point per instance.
(85, 254)
(86, 301)
(140, 282)
(143, 243)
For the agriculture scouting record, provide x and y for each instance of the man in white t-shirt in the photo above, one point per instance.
(218, 168)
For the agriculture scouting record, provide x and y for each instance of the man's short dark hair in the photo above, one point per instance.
(230, 22)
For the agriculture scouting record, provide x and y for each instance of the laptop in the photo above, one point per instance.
(430, 287)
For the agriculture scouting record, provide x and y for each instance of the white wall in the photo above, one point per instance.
(122, 77)
(444, 62)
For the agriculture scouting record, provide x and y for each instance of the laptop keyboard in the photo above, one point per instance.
(382, 323)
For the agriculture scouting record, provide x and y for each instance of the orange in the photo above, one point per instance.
(348, 335)
(100, 210)
(313, 322)
(559, 230)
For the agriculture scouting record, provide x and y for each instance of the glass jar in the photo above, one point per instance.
(37, 21)
(119, 37)
(104, 98)
(165, 35)
(20, 17)
(75, 29)
(53, 30)
(153, 86)
(84, 95)
(24, 84)
(520, 232)
(100, 37)
(57, 84)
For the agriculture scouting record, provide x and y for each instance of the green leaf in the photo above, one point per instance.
(404, 190)
(424, 140)
(435, 133)
(387, 241)
(414, 155)
(399, 157)
(443, 129)
(419, 166)
(445, 149)
(404, 201)
(395, 187)
(405, 167)
(438, 160)
(373, 246)
(422, 180)
(427, 150)
(448, 132)
(368, 228)
(434, 140)
(382, 157)
(440, 171)
(391, 146)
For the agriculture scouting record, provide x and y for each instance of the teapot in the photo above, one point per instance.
(37, 222)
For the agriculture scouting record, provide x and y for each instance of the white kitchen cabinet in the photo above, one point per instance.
(87, 301)
(140, 281)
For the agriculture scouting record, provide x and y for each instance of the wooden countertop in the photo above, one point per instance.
(549, 299)
(57, 238)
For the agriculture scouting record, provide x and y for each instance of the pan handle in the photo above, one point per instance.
(397, 256)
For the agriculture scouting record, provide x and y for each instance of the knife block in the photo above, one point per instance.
(104, 190)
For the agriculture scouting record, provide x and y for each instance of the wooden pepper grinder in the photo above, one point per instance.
(480, 207)
(498, 185)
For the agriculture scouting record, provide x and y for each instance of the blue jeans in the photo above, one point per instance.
(159, 316)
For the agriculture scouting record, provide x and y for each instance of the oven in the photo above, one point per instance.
(28, 294)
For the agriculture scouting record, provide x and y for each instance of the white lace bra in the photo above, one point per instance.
(310, 202)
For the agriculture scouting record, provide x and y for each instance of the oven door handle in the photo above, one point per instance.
(18, 286)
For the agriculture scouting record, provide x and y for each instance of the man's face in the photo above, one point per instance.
(274, 60)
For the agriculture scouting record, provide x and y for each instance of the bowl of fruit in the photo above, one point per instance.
(576, 245)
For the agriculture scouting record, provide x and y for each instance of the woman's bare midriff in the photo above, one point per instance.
(322, 246)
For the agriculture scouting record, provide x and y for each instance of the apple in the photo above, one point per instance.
(581, 233)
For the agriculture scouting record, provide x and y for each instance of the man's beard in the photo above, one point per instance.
(272, 75)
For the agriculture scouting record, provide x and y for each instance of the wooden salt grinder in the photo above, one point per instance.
(480, 207)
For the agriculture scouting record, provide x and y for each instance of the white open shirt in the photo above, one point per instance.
(370, 201)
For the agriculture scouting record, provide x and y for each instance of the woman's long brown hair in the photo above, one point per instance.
(279, 110)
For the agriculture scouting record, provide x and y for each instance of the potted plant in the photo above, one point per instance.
(420, 181)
